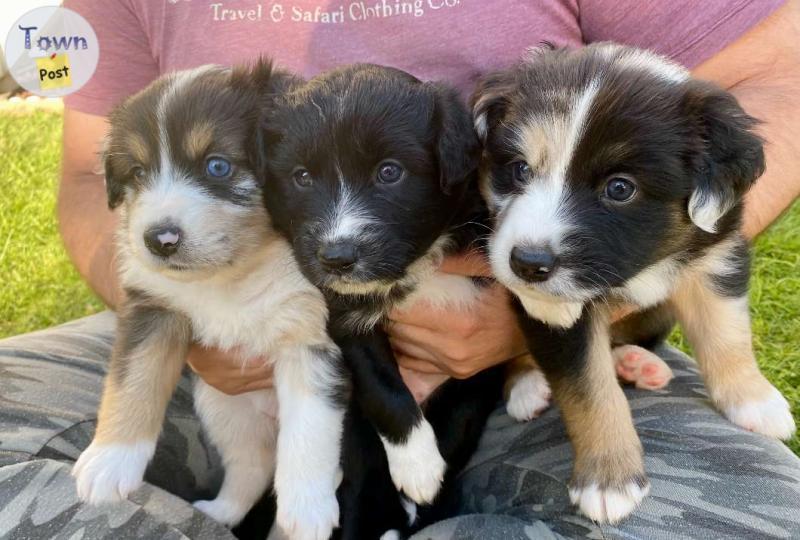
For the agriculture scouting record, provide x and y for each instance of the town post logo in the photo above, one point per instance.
(52, 51)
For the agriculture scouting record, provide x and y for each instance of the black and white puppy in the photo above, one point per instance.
(200, 261)
(371, 175)
(615, 177)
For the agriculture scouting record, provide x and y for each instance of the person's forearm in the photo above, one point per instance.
(775, 102)
(762, 69)
(88, 228)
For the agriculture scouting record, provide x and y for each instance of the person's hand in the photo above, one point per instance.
(226, 371)
(453, 343)
(421, 385)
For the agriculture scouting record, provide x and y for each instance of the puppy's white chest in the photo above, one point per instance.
(271, 306)
(442, 290)
(259, 313)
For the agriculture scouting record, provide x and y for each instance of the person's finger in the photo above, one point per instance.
(254, 368)
(413, 350)
(420, 384)
(413, 315)
(471, 263)
(420, 315)
(420, 366)
(421, 336)
(620, 312)
(257, 384)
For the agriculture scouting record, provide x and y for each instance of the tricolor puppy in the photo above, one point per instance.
(200, 261)
(371, 175)
(615, 177)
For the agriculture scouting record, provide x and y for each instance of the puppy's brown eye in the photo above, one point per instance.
(520, 171)
(302, 178)
(389, 172)
(620, 189)
(137, 172)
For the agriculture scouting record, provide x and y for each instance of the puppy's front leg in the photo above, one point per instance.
(526, 390)
(148, 355)
(312, 392)
(415, 463)
(713, 312)
(608, 479)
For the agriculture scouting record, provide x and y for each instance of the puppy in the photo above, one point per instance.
(614, 177)
(371, 175)
(200, 261)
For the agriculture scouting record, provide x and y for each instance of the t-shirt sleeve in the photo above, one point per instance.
(126, 62)
(688, 31)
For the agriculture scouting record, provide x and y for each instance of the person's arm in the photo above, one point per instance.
(762, 68)
(86, 224)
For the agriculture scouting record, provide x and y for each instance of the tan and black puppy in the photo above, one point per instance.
(199, 261)
(614, 177)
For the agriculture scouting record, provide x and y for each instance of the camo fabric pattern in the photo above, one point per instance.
(709, 478)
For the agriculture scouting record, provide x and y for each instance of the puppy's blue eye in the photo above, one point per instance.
(389, 172)
(521, 171)
(218, 167)
(620, 189)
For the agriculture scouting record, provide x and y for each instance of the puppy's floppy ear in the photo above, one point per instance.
(457, 147)
(115, 187)
(731, 158)
(268, 85)
(489, 101)
(261, 141)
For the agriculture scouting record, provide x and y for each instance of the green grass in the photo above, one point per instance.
(40, 288)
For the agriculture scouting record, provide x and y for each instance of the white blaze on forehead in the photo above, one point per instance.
(177, 83)
(539, 215)
(640, 59)
(171, 199)
(348, 218)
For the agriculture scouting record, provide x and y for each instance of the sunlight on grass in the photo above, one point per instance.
(40, 288)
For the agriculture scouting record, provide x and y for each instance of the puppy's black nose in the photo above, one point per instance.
(163, 241)
(338, 257)
(533, 263)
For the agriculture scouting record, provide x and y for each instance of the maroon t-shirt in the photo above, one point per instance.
(448, 40)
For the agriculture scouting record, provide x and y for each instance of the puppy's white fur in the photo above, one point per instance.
(109, 473)
(529, 396)
(609, 505)
(771, 416)
(540, 215)
(415, 469)
(242, 291)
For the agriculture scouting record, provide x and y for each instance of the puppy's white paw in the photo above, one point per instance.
(641, 367)
(608, 505)
(308, 514)
(224, 511)
(529, 396)
(416, 466)
(771, 416)
(109, 472)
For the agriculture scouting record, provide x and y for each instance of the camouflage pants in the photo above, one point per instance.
(710, 479)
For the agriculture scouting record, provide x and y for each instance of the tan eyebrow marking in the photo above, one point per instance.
(198, 139)
(138, 148)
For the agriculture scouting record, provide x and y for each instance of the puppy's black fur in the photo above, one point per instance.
(626, 177)
(323, 152)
